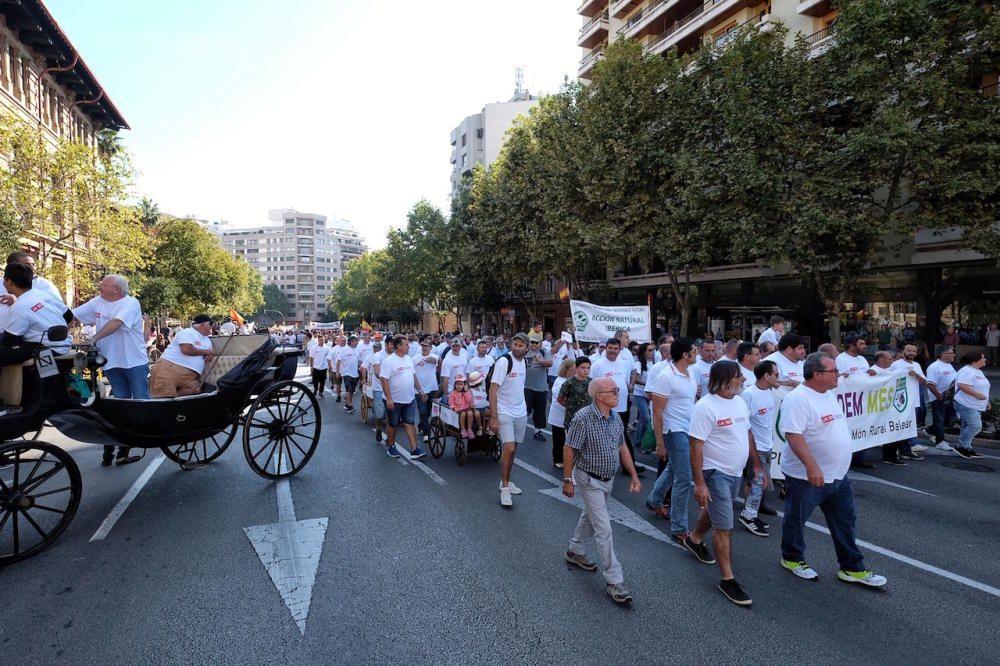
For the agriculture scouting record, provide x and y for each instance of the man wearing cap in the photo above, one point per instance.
(509, 413)
(347, 368)
(453, 363)
(178, 371)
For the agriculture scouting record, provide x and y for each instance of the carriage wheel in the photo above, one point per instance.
(202, 451)
(281, 430)
(461, 451)
(365, 405)
(39, 493)
(496, 449)
(437, 440)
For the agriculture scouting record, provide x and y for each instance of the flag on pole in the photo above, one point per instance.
(564, 294)
(365, 326)
(235, 316)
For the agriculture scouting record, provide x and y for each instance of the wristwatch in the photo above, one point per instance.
(568, 480)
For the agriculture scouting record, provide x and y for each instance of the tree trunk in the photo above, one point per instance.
(833, 312)
(681, 298)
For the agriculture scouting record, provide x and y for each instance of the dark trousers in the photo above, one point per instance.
(537, 403)
(628, 442)
(558, 441)
(942, 412)
(836, 501)
(424, 414)
(318, 380)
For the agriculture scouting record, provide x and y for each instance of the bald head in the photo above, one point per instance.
(599, 385)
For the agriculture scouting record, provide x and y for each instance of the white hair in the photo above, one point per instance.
(595, 386)
(119, 281)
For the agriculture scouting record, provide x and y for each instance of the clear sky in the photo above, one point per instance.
(338, 107)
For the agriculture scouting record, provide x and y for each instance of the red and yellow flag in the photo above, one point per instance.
(365, 326)
(235, 316)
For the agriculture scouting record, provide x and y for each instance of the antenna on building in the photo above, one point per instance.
(519, 82)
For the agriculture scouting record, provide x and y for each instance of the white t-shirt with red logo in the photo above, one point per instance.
(788, 371)
(819, 418)
(722, 424)
(399, 372)
(760, 405)
(851, 365)
(942, 375)
(510, 395)
(620, 370)
(126, 347)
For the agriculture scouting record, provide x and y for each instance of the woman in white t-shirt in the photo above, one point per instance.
(557, 412)
(972, 398)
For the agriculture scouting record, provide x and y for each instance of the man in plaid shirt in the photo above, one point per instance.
(595, 443)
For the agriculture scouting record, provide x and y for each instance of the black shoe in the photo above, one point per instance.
(864, 465)
(106, 462)
(965, 453)
(975, 454)
(735, 592)
(127, 460)
(755, 526)
(894, 461)
(378, 436)
(765, 510)
(699, 550)
(338, 398)
(539, 437)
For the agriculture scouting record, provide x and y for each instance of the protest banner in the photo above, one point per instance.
(879, 409)
(597, 323)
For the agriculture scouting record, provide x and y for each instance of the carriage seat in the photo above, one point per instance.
(230, 351)
(11, 382)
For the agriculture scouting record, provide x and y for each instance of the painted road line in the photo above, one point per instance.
(131, 494)
(858, 476)
(290, 551)
(421, 466)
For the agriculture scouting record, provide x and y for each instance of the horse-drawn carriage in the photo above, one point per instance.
(250, 385)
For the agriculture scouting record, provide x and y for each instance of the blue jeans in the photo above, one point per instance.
(129, 382)
(378, 405)
(424, 412)
(677, 476)
(972, 423)
(836, 501)
(642, 416)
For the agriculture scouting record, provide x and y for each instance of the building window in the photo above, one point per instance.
(463, 138)
(479, 133)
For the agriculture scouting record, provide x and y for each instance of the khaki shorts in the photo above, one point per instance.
(169, 380)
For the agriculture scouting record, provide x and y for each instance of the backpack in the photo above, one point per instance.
(489, 374)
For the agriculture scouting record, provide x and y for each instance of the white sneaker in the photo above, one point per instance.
(505, 499)
(866, 578)
(514, 490)
(943, 446)
(800, 569)
(919, 448)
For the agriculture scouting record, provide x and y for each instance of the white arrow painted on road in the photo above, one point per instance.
(618, 512)
(290, 551)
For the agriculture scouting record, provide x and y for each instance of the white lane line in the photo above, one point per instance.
(930, 568)
(422, 467)
(858, 476)
(123, 503)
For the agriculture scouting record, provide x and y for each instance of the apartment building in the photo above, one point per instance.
(350, 241)
(45, 83)
(479, 137)
(688, 25)
(297, 252)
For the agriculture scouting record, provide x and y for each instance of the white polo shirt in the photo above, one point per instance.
(126, 347)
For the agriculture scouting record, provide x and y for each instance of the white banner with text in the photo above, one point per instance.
(597, 323)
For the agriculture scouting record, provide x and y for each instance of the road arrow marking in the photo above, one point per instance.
(618, 512)
(290, 551)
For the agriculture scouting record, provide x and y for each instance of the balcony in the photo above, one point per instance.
(695, 23)
(815, 8)
(620, 8)
(640, 22)
(820, 41)
(594, 32)
(588, 62)
(591, 7)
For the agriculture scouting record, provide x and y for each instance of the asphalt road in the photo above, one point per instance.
(419, 569)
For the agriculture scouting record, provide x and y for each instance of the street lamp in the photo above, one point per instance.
(281, 315)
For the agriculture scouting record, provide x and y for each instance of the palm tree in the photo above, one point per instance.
(149, 212)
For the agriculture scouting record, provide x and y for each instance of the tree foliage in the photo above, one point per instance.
(275, 300)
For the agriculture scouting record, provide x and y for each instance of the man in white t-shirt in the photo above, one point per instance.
(673, 393)
(228, 328)
(788, 358)
(617, 366)
(774, 333)
(748, 356)
(364, 347)
(118, 320)
(426, 365)
(815, 468)
(509, 411)
(319, 361)
(911, 449)
(759, 398)
(482, 361)
(402, 390)
(33, 314)
(348, 366)
(721, 443)
(37, 281)
(453, 363)
(940, 382)
(335, 381)
(850, 362)
(178, 371)
(703, 366)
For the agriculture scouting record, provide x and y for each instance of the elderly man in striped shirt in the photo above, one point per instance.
(595, 444)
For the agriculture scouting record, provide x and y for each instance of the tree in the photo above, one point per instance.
(149, 212)
(276, 301)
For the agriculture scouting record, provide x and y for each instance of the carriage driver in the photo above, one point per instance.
(31, 316)
(179, 369)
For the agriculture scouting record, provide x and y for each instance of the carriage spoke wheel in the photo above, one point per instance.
(496, 449)
(437, 440)
(281, 430)
(39, 493)
(461, 451)
(202, 451)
